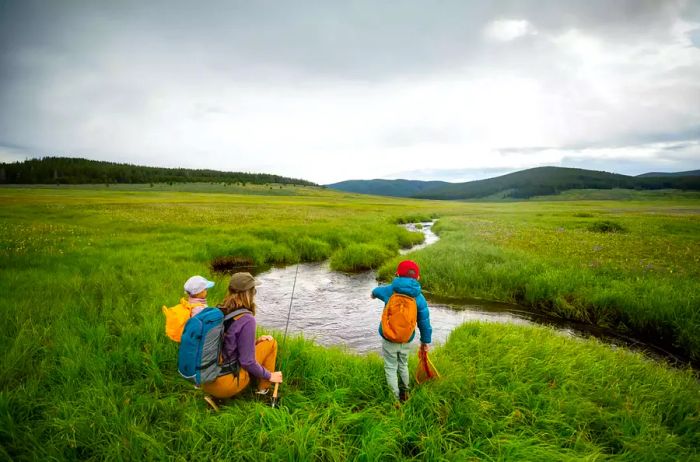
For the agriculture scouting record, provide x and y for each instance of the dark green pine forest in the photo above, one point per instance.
(66, 170)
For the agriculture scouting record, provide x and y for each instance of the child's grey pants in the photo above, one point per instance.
(396, 359)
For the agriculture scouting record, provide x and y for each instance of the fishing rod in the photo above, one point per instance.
(275, 398)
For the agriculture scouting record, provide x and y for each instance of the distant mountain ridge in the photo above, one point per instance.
(540, 181)
(71, 170)
(660, 174)
(395, 188)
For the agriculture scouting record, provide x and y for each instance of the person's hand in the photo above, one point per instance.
(264, 338)
(425, 347)
(276, 377)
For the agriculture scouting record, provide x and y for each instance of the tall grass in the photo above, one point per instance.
(555, 259)
(87, 373)
(507, 393)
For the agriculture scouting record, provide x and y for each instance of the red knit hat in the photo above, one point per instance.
(408, 269)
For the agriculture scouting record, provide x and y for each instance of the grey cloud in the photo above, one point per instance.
(357, 39)
(416, 135)
(13, 152)
(695, 37)
(525, 150)
(684, 137)
(287, 41)
(71, 70)
(631, 167)
(685, 155)
(679, 146)
(360, 39)
(688, 134)
(679, 138)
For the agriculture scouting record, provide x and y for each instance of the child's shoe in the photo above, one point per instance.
(403, 395)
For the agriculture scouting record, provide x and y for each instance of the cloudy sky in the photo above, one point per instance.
(333, 90)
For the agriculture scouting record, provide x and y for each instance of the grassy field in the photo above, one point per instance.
(620, 194)
(87, 373)
(221, 188)
(633, 265)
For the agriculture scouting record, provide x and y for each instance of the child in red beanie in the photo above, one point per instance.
(405, 308)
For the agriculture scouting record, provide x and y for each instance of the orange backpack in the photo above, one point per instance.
(399, 318)
(176, 317)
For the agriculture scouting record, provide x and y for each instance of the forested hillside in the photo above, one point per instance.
(541, 181)
(659, 174)
(67, 170)
(396, 188)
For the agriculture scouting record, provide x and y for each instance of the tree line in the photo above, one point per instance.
(69, 170)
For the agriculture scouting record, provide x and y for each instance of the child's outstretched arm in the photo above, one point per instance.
(382, 293)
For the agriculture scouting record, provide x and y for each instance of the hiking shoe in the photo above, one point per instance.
(403, 395)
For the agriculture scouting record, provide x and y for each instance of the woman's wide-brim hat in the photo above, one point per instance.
(240, 282)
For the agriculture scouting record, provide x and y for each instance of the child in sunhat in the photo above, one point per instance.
(196, 288)
(405, 308)
(176, 317)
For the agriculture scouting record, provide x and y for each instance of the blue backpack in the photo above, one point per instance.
(199, 356)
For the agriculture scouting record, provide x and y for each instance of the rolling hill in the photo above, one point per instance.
(396, 188)
(540, 181)
(660, 174)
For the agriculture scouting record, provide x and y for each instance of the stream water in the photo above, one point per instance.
(334, 308)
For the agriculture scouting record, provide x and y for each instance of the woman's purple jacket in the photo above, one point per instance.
(239, 342)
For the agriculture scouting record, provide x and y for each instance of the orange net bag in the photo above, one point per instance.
(426, 369)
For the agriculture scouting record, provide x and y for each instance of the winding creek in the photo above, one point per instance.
(334, 308)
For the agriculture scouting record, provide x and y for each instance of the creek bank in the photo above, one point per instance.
(659, 350)
(335, 309)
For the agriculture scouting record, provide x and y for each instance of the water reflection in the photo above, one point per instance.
(334, 308)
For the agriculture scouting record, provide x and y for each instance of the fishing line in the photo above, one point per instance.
(284, 339)
(291, 302)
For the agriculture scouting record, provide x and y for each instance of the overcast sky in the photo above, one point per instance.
(334, 90)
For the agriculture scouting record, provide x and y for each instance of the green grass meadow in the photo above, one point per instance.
(633, 266)
(87, 373)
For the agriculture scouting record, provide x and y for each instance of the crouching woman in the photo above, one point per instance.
(255, 357)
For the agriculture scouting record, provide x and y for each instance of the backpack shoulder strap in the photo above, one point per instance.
(400, 295)
(235, 313)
